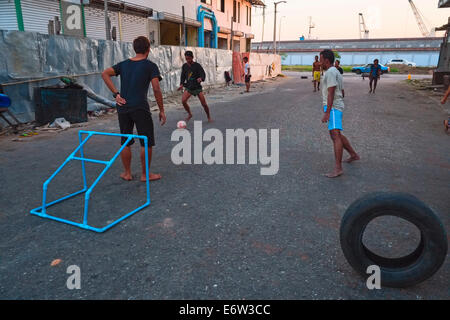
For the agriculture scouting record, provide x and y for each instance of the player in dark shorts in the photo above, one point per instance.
(374, 75)
(136, 74)
(192, 76)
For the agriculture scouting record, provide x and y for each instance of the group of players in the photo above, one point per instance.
(136, 75)
(374, 73)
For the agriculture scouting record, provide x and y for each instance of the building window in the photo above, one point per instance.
(221, 5)
(206, 1)
(246, 16)
(234, 10)
(239, 13)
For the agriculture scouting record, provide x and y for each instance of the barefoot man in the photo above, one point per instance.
(317, 72)
(333, 101)
(136, 74)
(192, 75)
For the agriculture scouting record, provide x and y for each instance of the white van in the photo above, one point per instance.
(401, 61)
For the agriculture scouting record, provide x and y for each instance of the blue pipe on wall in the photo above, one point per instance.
(202, 13)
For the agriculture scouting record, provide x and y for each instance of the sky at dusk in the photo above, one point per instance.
(336, 19)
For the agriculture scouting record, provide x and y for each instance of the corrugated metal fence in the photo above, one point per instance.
(8, 19)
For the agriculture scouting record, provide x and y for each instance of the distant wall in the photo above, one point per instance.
(422, 59)
(262, 66)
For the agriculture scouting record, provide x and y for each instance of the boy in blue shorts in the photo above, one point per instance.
(333, 101)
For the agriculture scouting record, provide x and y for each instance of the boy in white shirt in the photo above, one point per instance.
(333, 101)
(247, 74)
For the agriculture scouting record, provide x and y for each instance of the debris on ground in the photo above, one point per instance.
(404, 69)
(56, 262)
(425, 84)
(61, 123)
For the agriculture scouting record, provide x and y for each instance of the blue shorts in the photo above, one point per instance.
(335, 121)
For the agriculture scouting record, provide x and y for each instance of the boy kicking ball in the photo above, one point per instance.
(192, 75)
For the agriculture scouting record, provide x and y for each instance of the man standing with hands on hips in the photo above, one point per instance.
(332, 93)
(136, 74)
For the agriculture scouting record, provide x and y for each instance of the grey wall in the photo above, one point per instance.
(30, 55)
(421, 58)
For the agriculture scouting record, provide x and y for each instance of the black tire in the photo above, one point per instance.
(358, 72)
(399, 272)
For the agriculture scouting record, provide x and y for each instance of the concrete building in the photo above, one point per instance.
(234, 19)
(223, 24)
(423, 51)
(210, 23)
(128, 20)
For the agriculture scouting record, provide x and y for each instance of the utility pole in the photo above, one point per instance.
(275, 27)
(279, 36)
(264, 22)
(183, 38)
(232, 35)
(107, 28)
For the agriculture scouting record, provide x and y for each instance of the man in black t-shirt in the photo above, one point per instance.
(136, 74)
(192, 76)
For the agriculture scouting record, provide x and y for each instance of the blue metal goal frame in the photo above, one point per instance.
(41, 211)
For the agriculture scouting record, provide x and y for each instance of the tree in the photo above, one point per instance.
(336, 55)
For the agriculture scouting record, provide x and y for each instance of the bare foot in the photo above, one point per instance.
(210, 120)
(151, 177)
(370, 91)
(353, 158)
(334, 174)
(188, 117)
(126, 176)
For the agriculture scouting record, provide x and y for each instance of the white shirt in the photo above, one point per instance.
(333, 78)
(247, 66)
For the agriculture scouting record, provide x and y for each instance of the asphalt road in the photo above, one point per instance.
(225, 231)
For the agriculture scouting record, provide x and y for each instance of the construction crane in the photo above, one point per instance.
(363, 31)
(423, 28)
(312, 25)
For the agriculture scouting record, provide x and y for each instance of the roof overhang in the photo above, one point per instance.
(224, 30)
(165, 16)
(258, 3)
(122, 6)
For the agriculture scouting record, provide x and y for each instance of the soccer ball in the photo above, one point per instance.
(181, 125)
